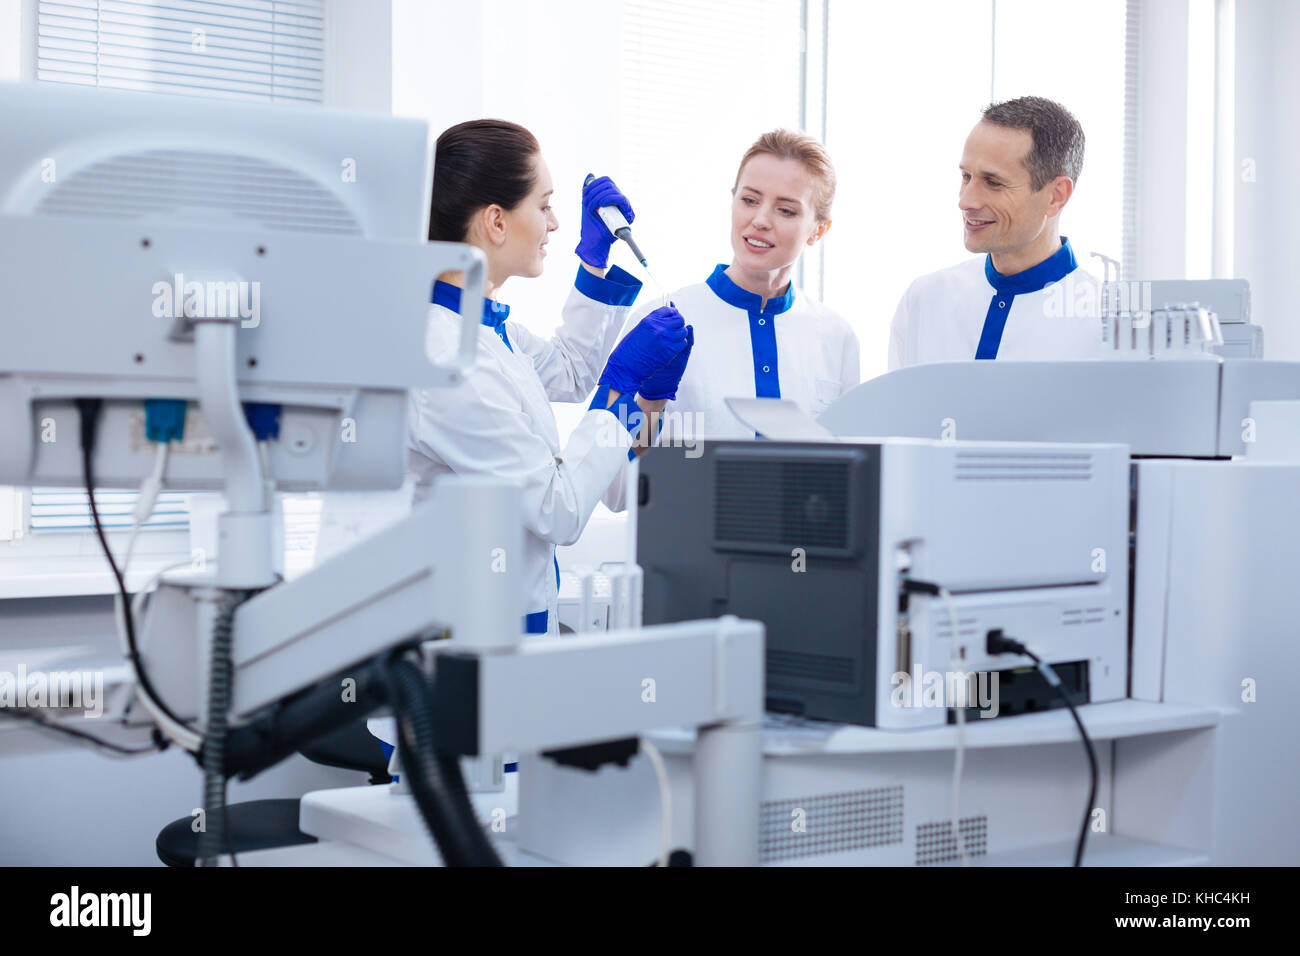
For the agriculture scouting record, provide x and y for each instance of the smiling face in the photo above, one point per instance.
(1002, 213)
(773, 217)
(526, 229)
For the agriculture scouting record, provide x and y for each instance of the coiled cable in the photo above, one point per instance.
(214, 834)
(437, 783)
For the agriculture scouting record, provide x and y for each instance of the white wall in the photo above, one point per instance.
(359, 55)
(437, 61)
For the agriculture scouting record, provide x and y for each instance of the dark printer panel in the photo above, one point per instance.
(784, 533)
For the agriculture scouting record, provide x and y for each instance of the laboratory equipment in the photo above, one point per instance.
(1179, 330)
(1189, 773)
(116, 199)
(818, 539)
(1213, 542)
(1227, 299)
(160, 216)
(182, 246)
(617, 224)
(1159, 409)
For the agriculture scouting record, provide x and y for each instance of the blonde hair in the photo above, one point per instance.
(788, 144)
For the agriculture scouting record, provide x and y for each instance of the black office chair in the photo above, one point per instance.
(269, 824)
(351, 747)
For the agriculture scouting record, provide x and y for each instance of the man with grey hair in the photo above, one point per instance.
(1026, 298)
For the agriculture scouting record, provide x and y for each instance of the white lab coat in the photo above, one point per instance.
(1053, 313)
(815, 349)
(499, 421)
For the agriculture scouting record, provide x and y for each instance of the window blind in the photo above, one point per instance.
(267, 50)
(68, 509)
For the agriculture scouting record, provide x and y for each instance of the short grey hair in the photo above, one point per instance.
(1057, 135)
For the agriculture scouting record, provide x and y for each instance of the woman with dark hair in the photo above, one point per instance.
(492, 189)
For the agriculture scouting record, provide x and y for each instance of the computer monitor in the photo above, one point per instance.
(125, 215)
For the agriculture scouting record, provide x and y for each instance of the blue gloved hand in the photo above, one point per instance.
(596, 239)
(662, 383)
(652, 343)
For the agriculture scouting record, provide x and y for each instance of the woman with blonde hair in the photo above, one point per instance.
(755, 334)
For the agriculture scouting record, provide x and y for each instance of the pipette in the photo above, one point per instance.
(617, 223)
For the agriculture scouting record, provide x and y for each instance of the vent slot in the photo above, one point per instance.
(805, 666)
(966, 626)
(1079, 615)
(830, 823)
(786, 504)
(197, 185)
(935, 842)
(1023, 466)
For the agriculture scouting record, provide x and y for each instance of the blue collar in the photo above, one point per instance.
(1052, 269)
(448, 296)
(732, 294)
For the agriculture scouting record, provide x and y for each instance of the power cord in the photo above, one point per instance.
(437, 784)
(216, 833)
(114, 750)
(179, 733)
(956, 662)
(665, 800)
(956, 659)
(88, 410)
(999, 643)
(127, 613)
(145, 501)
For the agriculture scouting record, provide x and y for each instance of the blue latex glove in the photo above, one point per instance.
(596, 239)
(663, 382)
(652, 343)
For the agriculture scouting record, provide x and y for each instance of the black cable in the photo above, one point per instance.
(88, 409)
(216, 831)
(294, 723)
(913, 586)
(437, 783)
(81, 734)
(998, 643)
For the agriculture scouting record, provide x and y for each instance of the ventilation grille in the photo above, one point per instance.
(1023, 466)
(198, 185)
(935, 842)
(797, 664)
(789, 504)
(1080, 615)
(831, 823)
(966, 626)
